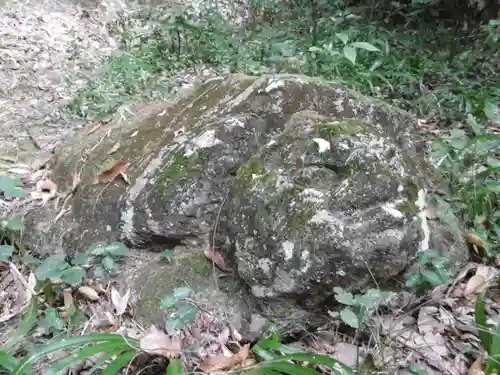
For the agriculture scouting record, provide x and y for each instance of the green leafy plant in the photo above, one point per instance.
(359, 305)
(470, 162)
(117, 349)
(278, 358)
(182, 312)
(489, 335)
(107, 256)
(433, 270)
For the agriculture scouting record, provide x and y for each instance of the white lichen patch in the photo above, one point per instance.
(306, 261)
(287, 249)
(265, 265)
(323, 145)
(310, 195)
(205, 140)
(272, 142)
(233, 122)
(324, 217)
(128, 213)
(391, 209)
(421, 203)
(274, 84)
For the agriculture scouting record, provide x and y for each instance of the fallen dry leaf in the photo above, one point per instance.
(119, 302)
(474, 239)
(159, 343)
(114, 148)
(475, 284)
(110, 174)
(220, 362)
(88, 293)
(68, 301)
(214, 255)
(45, 190)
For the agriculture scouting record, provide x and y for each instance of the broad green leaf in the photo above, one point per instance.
(52, 320)
(15, 224)
(187, 312)
(174, 367)
(29, 260)
(350, 54)
(167, 254)
(345, 298)
(174, 324)
(491, 111)
(366, 46)
(12, 187)
(178, 295)
(349, 318)
(5, 252)
(97, 248)
(482, 328)
(108, 263)
(53, 266)
(117, 249)
(73, 275)
(343, 37)
(81, 259)
(433, 277)
(99, 272)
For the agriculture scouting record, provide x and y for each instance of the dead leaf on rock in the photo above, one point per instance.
(68, 301)
(45, 190)
(119, 302)
(112, 173)
(477, 367)
(220, 362)
(114, 148)
(88, 293)
(159, 343)
(475, 285)
(215, 256)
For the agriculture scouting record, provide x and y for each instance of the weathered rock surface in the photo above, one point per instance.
(306, 184)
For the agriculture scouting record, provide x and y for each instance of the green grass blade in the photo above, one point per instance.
(69, 343)
(276, 345)
(290, 368)
(494, 354)
(118, 363)
(28, 322)
(266, 355)
(7, 361)
(89, 351)
(174, 367)
(482, 327)
(319, 359)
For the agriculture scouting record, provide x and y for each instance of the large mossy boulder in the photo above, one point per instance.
(303, 184)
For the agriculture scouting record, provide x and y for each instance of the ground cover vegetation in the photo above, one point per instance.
(420, 56)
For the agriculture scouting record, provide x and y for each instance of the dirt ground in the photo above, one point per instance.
(47, 49)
